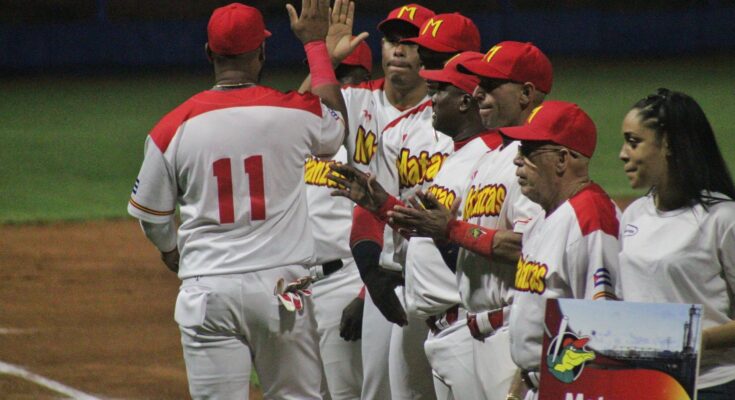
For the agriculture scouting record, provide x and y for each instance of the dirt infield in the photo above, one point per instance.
(88, 305)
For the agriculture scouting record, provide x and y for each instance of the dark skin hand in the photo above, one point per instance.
(357, 186)
(171, 259)
(427, 218)
(350, 326)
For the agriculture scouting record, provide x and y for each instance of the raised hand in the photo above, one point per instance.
(340, 42)
(357, 186)
(313, 23)
(427, 218)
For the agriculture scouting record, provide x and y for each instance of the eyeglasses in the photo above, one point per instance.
(529, 150)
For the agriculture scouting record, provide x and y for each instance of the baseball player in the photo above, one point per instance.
(371, 106)
(336, 280)
(241, 196)
(582, 260)
(512, 82)
(409, 154)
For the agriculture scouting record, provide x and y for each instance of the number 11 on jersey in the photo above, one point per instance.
(223, 172)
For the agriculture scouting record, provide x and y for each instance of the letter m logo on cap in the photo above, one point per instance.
(491, 53)
(434, 25)
(533, 114)
(410, 10)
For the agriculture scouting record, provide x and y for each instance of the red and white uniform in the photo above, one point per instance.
(234, 162)
(331, 219)
(369, 111)
(493, 200)
(572, 253)
(684, 256)
(431, 287)
(409, 155)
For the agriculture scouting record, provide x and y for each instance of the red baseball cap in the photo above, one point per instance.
(448, 33)
(361, 57)
(450, 74)
(515, 61)
(235, 29)
(413, 14)
(558, 122)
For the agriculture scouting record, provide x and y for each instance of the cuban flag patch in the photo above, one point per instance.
(135, 187)
(602, 277)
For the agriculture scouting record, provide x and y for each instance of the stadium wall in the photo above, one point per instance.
(100, 44)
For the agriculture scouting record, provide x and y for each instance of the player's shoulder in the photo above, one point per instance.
(595, 211)
(491, 139)
(410, 115)
(212, 100)
(370, 86)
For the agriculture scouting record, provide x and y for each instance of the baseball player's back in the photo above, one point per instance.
(234, 160)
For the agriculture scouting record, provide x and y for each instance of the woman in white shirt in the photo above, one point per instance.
(678, 241)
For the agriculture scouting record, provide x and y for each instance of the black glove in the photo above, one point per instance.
(350, 327)
(381, 284)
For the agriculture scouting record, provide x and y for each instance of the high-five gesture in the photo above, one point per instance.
(340, 42)
(313, 23)
(428, 218)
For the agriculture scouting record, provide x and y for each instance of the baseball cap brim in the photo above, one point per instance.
(423, 41)
(465, 83)
(483, 69)
(526, 132)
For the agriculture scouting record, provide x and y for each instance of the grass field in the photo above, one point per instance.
(73, 144)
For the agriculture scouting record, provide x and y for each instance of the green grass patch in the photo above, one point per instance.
(74, 144)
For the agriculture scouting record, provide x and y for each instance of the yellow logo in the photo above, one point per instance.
(365, 145)
(434, 24)
(491, 53)
(443, 195)
(486, 201)
(316, 170)
(410, 10)
(533, 114)
(531, 276)
(415, 170)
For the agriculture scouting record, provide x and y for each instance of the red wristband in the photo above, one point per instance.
(320, 66)
(472, 237)
(366, 226)
(388, 206)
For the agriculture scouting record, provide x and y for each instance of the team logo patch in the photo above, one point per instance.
(476, 233)
(567, 355)
(630, 230)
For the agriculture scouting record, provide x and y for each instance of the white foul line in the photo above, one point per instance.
(20, 372)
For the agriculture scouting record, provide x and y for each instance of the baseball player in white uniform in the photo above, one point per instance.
(581, 261)
(408, 155)
(241, 196)
(336, 280)
(513, 81)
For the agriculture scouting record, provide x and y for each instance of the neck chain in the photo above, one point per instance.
(225, 86)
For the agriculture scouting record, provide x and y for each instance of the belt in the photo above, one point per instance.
(438, 323)
(531, 379)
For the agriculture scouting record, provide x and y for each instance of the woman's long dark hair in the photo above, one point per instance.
(695, 162)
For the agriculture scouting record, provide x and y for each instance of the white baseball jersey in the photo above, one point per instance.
(684, 256)
(493, 200)
(410, 153)
(234, 161)
(331, 216)
(431, 287)
(572, 253)
(369, 111)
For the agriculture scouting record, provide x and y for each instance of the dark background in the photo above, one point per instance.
(85, 35)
